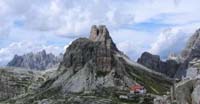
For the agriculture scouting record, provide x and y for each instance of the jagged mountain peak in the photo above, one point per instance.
(193, 46)
(39, 61)
(190, 56)
(94, 66)
(93, 63)
(43, 52)
(101, 34)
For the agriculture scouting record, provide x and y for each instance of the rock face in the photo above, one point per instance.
(37, 61)
(190, 57)
(101, 34)
(193, 47)
(188, 91)
(151, 61)
(155, 63)
(93, 64)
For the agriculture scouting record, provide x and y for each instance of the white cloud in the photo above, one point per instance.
(130, 49)
(169, 11)
(136, 36)
(66, 18)
(73, 18)
(170, 41)
(40, 19)
(132, 42)
(4, 32)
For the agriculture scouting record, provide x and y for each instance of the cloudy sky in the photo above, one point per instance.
(158, 26)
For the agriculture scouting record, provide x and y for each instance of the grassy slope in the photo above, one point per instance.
(15, 82)
(154, 83)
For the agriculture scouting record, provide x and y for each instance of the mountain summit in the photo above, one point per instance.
(193, 46)
(95, 66)
(168, 67)
(101, 34)
(37, 61)
(90, 64)
(190, 58)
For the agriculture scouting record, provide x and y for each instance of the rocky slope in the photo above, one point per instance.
(37, 61)
(95, 63)
(192, 48)
(17, 81)
(154, 62)
(92, 72)
(190, 58)
(188, 91)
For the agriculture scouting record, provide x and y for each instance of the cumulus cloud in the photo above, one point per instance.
(66, 18)
(4, 32)
(164, 42)
(74, 18)
(71, 18)
(20, 48)
(132, 42)
(41, 19)
(170, 41)
(130, 49)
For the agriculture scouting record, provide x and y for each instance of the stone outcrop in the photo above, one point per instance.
(190, 57)
(155, 63)
(150, 61)
(37, 61)
(92, 63)
(99, 48)
(192, 48)
(101, 34)
(15, 82)
(95, 62)
(188, 91)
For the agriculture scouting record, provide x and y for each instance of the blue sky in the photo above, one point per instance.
(158, 26)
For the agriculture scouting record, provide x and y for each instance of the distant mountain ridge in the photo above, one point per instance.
(168, 67)
(36, 61)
